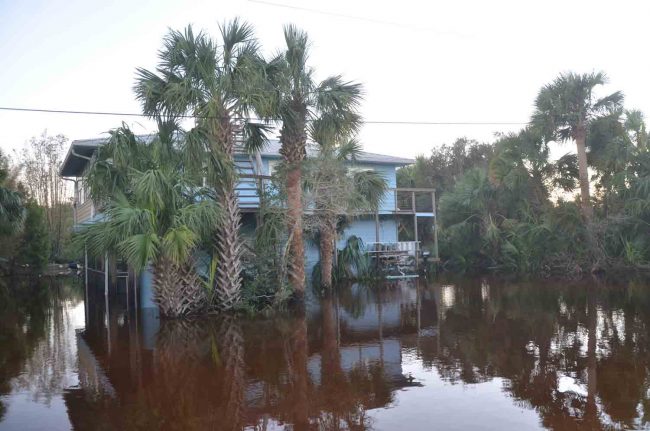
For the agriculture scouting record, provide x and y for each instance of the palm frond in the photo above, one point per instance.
(141, 249)
(371, 186)
(178, 243)
(255, 136)
(349, 150)
(200, 217)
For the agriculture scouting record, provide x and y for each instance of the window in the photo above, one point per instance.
(82, 192)
(273, 166)
(355, 169)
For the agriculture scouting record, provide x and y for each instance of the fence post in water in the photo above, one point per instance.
(128, 279)
(376, 238)
(415, 230)
(108, 318)
(86, 281)
(106, 275)
(435, 225)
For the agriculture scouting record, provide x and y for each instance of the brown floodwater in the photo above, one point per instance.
(466, 354)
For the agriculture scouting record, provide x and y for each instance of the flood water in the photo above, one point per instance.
(467, 354)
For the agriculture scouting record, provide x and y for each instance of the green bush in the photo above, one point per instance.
(34, 248)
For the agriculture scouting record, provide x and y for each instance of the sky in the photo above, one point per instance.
(434, 61)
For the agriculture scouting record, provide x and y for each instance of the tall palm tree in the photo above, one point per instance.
(221, 84)
(299, 99)
(338, 191)
(155, 214)
(566, 107)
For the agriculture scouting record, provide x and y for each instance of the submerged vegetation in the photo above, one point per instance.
(170, 200)
(509, 207)
(297, 99)
(170, 203)
(337, 190)
(155, 213)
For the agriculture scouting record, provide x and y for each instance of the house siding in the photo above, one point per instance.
(363, 228)
(387, 205)
(84, 211)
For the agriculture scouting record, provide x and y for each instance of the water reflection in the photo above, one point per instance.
(455, 355)
(38, 319)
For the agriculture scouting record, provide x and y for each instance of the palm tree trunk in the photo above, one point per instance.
(293, 137)
(177, 289)
(228, 242)
(229, 249)
(580, 138)
(294, 212)
(327, 237)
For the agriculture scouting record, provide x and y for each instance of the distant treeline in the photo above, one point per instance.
(36, 213)
(509, 206)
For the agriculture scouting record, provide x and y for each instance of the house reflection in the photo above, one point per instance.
(578, 356)
(325, 367)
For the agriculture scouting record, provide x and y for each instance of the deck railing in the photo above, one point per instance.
(251, 187)
(414, 200)
(409, 248)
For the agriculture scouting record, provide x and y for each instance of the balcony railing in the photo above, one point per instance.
(420, 201)
(415, 201)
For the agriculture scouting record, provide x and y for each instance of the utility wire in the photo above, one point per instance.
(395, 122)
(357, 17)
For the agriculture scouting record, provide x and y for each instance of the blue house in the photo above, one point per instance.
(391, 228)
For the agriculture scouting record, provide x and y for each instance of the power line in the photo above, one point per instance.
(68, 111)
(388, 122)
(357, 17)
(449, 123)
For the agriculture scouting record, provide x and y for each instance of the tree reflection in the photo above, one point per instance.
(577, 355)
(37, 338)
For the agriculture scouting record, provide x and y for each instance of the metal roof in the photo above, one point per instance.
(272, 149)
(73, 165)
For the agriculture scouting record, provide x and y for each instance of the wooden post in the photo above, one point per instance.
(135, 290)
(435, 225)
(74, 204)
(380, 318)
(417, 247)
(86, 283)
(418, 302)
(257, 180)
(415, 230)
(106, 275)
(108, 317)
(377, 226)
(376, 238)
(128, 278)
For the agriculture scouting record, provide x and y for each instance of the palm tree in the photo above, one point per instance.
(221, 85)
(297, 101)
(338, 191)
(155, 214)
(566, 107)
